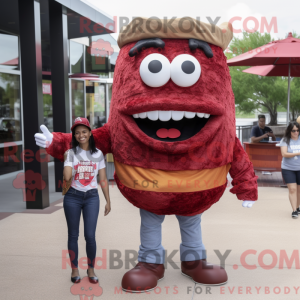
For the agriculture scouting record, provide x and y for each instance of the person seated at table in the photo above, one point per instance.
(261, 132)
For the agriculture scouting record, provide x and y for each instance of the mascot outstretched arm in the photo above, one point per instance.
(57, 143)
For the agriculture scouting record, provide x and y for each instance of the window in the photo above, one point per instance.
(101, 55)
(10, 108)
(77, 99)
(10, 159)
(76, 57)
(9, 52)
(47, 100)
(95, 104)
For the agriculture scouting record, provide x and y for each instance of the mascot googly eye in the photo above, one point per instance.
(155, 70)
(185, 70)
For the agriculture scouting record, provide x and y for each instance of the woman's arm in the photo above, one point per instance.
(67, 169)
(259, 138)
(285, 153)
(104, 186)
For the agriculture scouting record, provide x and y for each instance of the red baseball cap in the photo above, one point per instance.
(81, 121)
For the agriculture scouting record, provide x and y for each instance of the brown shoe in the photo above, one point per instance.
(143, 277)
(200, 271)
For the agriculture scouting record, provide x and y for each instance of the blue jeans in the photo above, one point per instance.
(151, 249)
(88, 202)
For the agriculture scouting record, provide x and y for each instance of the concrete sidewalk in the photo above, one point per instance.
(32, 265)
(12, 199)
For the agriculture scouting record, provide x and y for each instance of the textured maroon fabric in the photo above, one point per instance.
(214, 146)
(185, 204)
(244, 179)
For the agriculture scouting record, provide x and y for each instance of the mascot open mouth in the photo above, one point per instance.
(171, 126)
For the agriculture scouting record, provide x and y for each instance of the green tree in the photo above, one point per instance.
(295, 98)
(253, 92)
(295, 92)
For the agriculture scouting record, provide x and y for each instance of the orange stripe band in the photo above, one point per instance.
(171, 181)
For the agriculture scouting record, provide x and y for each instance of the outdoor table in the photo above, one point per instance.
(264, 156)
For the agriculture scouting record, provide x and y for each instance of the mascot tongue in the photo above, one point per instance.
(171, 133)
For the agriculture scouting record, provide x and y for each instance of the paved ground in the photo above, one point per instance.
(32, 245)
(12, 199)
(273, 179)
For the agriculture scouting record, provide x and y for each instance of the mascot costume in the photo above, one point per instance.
(172, 133)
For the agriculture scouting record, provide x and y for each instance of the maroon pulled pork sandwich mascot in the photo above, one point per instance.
(172, 133)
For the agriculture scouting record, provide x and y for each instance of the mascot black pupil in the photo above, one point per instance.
(155, 66)
(188, 67)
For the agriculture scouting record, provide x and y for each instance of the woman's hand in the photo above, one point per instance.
(107, 209)
(105, 189)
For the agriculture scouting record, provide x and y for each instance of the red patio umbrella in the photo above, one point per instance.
(277, 58)
(275, 70)
(12, 62)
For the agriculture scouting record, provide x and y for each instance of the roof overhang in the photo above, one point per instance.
(84, 19)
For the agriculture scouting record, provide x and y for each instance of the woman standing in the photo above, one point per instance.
(82, 163)
(290, 165)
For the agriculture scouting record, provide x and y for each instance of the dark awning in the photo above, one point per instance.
(75, 9)
(83, 18)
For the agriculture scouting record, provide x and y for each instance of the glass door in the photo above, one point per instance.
(95, 104)
(77, 96)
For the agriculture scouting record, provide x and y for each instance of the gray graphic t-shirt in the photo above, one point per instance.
(292, 163)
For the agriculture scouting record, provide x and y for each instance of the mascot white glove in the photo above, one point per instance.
(43, 139)
(248, 203)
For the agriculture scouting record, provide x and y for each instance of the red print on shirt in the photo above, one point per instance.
(85, 172)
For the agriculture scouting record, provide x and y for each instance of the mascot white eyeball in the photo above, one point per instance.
(185, 70)
(155, 70)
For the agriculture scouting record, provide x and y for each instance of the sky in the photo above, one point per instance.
(286, 13)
